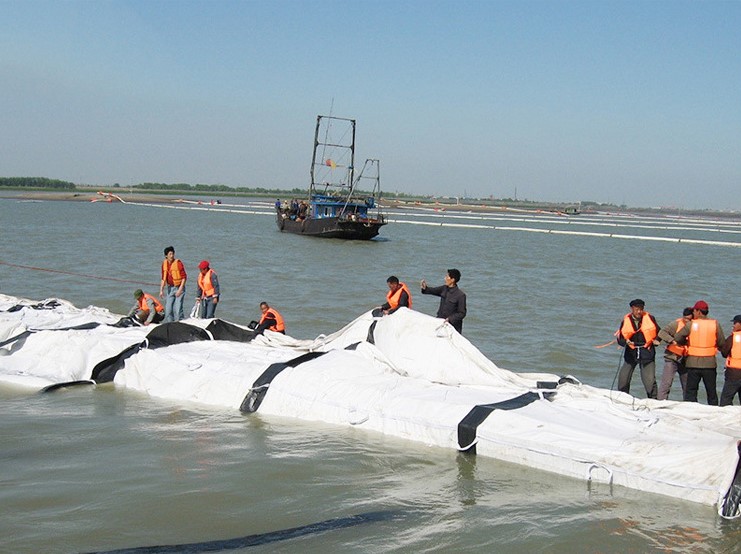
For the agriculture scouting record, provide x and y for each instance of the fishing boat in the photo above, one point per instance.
(407, 375)
(337, 206)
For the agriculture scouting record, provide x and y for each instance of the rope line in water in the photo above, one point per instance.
(19, 266)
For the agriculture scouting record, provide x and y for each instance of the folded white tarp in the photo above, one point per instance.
(406, 375)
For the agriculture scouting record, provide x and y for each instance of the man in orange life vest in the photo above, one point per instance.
(703, 336)
(147, 309)
(731, 349)
(173, 277)
(208, 290)
(674, 356)
(398, 297)
(637, 334)
(270, 320)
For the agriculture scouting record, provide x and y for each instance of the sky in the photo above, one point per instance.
(635, 103)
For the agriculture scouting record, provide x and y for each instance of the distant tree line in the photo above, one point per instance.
(36, 182)
(185, 187)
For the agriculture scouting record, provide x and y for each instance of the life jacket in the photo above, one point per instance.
(675, 348)
(271, 313)
(702, 338)
(734, 358)
(648, 328)
(173, 270)
(393, 297)
(205, 284)
(143, 306)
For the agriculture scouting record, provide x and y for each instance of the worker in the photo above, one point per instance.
(703, 337)
(637, 334)
(147, 308)
(270, 320)
(397, 297)
(208, 290)
(674, 356)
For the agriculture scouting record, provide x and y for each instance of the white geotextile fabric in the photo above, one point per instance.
(417, 381)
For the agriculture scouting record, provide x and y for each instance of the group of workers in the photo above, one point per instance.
(691, 341)
(691, 344)
(148, 309)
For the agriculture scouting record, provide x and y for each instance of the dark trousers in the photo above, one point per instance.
(731, 388)
(708, 377)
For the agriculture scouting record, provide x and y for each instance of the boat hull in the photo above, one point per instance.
(330, 227)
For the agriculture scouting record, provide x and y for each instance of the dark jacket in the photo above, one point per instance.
(452, 304)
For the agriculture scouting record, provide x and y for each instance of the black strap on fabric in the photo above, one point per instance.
(67, 385)
(732, 505)
(20, 336)
(478, 414)
(175, 332)
(105, 371)
(259, 388)
(372, 328)
(222, 330)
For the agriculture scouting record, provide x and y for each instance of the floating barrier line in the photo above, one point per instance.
(215, 208)
(19, 266)
(577, 233)
(710, 228)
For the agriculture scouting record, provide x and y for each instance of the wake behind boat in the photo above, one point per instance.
(408, 375)
(336, 206)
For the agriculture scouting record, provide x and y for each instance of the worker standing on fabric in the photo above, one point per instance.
(397, 297)
(270, 320)
(208, 290)
(174, 278)
(731, 349)
(674, 356)
(703, 337)
(637, 334)
(147, 308)
(452, 299)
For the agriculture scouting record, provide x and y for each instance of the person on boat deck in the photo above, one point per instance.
(147, 308)
(303, 210)
(173, 277)
(731, 349)
(637, 334)
(270, 320)
(674, 356)
(398, 296)
(452, 299)
(703, 337)
(208, 290)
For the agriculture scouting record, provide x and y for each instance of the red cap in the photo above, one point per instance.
(203, 265)
(700, 305)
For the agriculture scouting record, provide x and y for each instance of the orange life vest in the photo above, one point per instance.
(675, 348)
(648, 328)
(393, 297)
(143, 306)
(273, 314)
(734, 358)
(174, 271)
(702, 338)
(205, 284)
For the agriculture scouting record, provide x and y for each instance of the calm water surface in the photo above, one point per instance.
(100, 469)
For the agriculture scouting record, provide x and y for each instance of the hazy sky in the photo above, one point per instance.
(624, 102)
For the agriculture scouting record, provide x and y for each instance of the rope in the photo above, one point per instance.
(78, 274)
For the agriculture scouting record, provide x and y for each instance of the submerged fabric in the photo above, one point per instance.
(404, 375)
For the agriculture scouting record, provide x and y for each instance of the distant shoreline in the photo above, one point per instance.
(441, 204)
